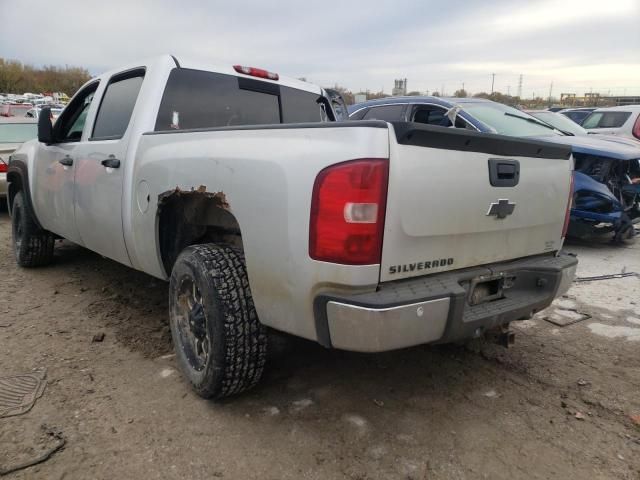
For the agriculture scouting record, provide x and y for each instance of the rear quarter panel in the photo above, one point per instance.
(267, 177)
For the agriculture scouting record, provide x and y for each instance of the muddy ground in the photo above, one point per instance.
(560, 404)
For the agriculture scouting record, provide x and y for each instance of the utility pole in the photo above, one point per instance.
(493, 78)
(509, 90)
(462, 85)
(550, 91)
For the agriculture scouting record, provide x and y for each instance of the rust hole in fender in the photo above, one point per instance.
(195, 216)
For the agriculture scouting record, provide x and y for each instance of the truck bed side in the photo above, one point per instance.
(266, 176)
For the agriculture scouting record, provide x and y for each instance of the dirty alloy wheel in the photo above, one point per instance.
(32, 246)
(220, 344)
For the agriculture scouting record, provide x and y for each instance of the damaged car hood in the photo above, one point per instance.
(596, 146)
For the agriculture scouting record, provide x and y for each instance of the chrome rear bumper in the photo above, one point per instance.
(437, 308)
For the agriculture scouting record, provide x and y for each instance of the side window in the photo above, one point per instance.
(299, 106)
(70, 124)
(437, 116)
(431, 116)
(388, 113)
(117, 105)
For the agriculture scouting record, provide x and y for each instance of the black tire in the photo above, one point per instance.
(32, 246)
(626, 234)
(220, 344)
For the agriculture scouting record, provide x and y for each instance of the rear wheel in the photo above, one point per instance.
(626, 234)
(220, 344)
(32, 245)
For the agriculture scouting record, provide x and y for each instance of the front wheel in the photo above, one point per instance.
(32, 246)
(220, 344)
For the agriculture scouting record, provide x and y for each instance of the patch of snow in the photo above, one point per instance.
(300, 405)
(633, 320)
(615, 331)
(526, 324)
(272, 411)
(564, 303)
(356, 420)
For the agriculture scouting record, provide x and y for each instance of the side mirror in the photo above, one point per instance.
(45, 128)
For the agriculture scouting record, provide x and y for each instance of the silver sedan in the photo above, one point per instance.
(14, 131)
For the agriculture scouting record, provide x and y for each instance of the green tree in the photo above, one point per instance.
(16, 77)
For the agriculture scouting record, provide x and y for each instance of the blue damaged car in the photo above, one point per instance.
(606, 196)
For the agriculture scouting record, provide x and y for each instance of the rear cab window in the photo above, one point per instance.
(199, 99)
(606, 119)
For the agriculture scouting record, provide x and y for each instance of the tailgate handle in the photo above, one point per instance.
(504, 173)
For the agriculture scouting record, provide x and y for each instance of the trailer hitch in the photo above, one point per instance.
(501, 335)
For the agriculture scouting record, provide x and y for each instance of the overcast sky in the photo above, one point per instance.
(578, 45)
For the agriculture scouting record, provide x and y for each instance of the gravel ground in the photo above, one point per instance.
(563, 403)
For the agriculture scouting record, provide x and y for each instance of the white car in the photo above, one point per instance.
(623, 121)
(14, 131)
(35, 112)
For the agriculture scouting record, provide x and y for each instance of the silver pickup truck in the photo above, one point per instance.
(237, 187)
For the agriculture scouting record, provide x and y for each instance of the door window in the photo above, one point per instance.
(117, 105)
(432, 115)
(70, 124)
(606, 119)
(388, 113)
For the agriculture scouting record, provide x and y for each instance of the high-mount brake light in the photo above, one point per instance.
(347, 212)
(256, 72)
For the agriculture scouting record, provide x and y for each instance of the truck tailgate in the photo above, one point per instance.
(447, 210)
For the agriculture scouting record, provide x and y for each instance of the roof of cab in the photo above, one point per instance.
(172, 61)
(229, 70)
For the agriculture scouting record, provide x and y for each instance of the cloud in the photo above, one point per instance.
(359, 44)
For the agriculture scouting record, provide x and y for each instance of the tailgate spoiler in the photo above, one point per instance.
(445, 138)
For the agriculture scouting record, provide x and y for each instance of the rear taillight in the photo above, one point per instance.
(636, 128)
(3, 166)
(256, 72)
(567, 215)
(347, 212)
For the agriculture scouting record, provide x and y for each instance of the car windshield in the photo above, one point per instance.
(17, 132)
(507, 120)
(561, 122)
(606, 119)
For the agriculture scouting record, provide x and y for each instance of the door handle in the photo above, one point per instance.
(66, 161)
(111, 162)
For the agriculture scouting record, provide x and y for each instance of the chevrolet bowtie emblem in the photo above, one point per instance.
(501, 209)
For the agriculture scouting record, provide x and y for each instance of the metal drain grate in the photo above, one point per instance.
(18, 393)
(563, 317)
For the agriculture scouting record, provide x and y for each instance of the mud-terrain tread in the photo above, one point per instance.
(37, 245)
(245, 338)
